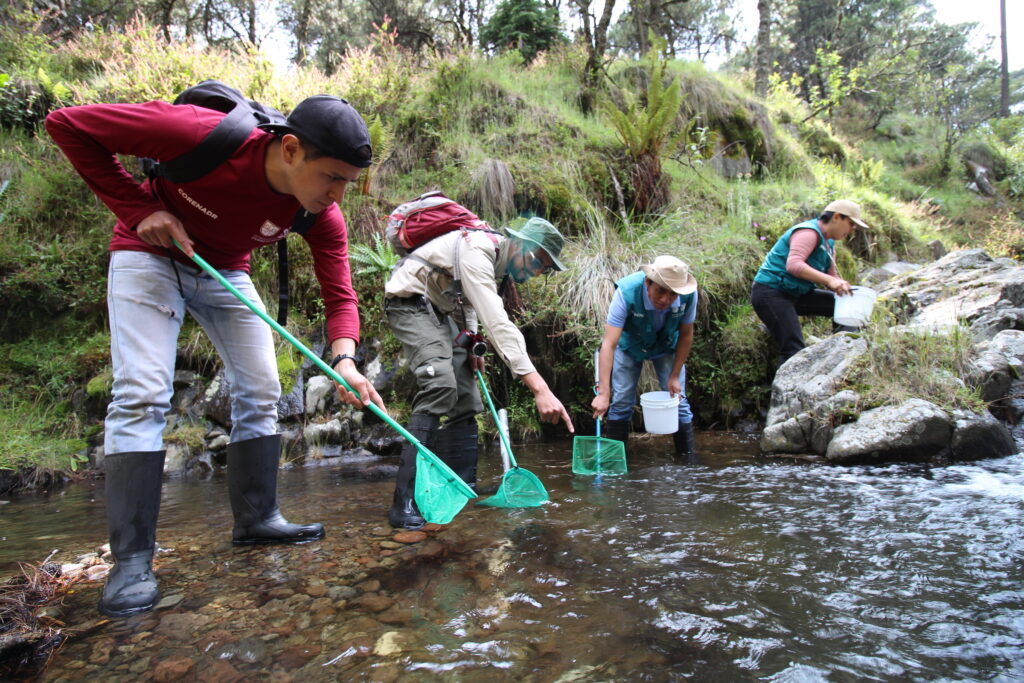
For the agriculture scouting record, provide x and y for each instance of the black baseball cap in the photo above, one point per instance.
(330, 124)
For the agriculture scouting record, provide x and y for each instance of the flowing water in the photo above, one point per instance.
(736, 569)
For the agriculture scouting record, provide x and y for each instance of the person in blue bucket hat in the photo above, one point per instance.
(650, 319)
(435, 300)
(799, 275)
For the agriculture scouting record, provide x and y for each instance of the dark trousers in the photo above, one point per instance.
(779, 312)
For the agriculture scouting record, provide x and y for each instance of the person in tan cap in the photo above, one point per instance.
(650, 318)
(799, 275)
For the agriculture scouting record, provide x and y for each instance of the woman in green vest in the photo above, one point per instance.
(803, 259)
(650, 319)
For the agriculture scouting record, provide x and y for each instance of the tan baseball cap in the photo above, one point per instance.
(849, 209)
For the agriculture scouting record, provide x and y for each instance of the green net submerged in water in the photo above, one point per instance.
(519, 489)
(598, 455)
(438, 497)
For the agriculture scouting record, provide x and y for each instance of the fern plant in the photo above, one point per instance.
(648, 128)
(376, 260)
(382, 143)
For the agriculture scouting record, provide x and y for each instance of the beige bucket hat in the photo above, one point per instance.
(671, 273)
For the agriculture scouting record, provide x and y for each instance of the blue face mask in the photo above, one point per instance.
(531, 265)
(518, 275)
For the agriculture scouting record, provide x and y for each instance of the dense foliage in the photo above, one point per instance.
(671, 158)
(523, 25)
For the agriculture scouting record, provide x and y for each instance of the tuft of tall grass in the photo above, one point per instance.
(596, 260)
(903, 363)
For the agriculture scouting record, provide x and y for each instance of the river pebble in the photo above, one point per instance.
(410, 537)
(372, 602)
(181, 625)
(173, 669)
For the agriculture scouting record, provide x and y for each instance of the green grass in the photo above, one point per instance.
(28, 443)
(904, 364)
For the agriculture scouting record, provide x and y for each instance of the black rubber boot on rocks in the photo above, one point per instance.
(456, 445)
(133, 503)
(684, 443)
(618, 430)
(403, 513)
(252, 488)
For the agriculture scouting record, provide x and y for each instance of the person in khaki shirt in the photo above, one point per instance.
(435, 300)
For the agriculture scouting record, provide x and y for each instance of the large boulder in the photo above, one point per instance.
(916, 430)
(812, 375)
(813, 410)
(978, 437)
(964, 287)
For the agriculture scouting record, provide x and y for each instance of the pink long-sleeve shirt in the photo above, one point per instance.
(801, 244)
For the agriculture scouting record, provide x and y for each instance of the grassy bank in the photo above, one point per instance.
(462, 122)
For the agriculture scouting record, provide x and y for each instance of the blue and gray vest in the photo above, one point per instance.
(639, 338)
(773, 270)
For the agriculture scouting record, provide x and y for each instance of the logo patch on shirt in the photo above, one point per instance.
(269, 232)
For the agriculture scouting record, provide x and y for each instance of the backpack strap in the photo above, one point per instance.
(301, 224)
(219, 144)
(456, 274)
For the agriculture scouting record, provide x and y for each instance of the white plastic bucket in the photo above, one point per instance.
(661, 412)
(854, 310)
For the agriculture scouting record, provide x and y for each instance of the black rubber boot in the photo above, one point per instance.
(403, 513)
(133, 503)
(683, 440)
(456, 445)
(252, 488)
(618, 430)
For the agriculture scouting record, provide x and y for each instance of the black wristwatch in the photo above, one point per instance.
(341, 357)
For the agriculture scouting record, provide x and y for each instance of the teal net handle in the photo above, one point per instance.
(497, 422)
(597, 387)
(299, 346)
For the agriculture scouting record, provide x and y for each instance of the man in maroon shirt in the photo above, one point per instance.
(247, 201)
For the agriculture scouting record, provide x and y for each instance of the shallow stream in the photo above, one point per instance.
(736, 569)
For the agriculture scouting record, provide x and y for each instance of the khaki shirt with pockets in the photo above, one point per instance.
(477, 259)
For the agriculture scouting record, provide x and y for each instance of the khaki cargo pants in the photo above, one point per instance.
(447, 384)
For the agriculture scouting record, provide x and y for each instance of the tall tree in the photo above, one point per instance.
(763, 55)
(524, 25)
(462, 20)
(1004, 71)
(689, 27)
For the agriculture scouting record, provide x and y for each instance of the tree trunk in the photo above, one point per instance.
(251, 24)
(302, 32)
(597, 45)
(641, 23)
(1004, 92)
(764, 11)
(167, 18)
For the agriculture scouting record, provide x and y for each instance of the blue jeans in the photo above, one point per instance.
(147, 306)
(626, 374)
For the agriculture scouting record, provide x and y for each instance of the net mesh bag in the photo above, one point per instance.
(598, 455)
(519, 489)
(437, 496)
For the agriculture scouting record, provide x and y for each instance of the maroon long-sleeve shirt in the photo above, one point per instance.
(227, 213)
